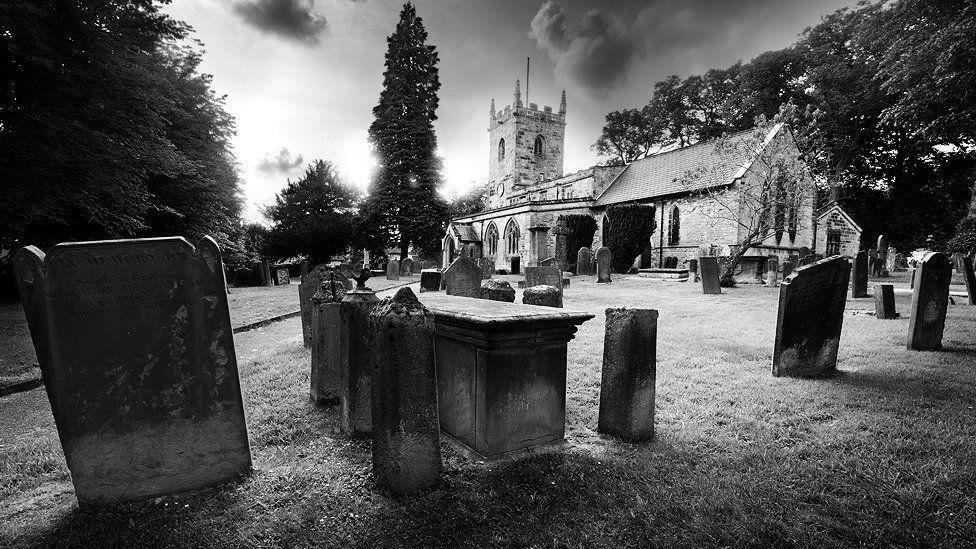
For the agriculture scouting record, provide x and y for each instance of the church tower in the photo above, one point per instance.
(525, 147)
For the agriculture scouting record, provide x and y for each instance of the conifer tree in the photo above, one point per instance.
(403, 206)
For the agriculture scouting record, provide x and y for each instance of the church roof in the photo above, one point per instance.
(659, 175)
(465, 232)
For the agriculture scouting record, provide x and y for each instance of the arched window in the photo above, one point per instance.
(674, 227)
(511, 238)
(540, 146)
(501, 150)
(491, 240)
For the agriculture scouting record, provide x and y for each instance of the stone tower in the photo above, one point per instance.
(525, 147)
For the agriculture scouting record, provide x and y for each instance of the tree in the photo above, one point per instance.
(312, 216)
(630, 229)
(629, 135)
(403, 206)
(581, 231)
(470, 202)
(767, 201)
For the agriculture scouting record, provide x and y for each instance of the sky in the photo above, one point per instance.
(301, 77)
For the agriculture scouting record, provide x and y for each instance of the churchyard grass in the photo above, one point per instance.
(881, 454)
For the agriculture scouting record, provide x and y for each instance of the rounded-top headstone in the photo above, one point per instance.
(393, 270)
(497, 290)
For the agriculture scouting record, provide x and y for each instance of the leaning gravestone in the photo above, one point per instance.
(629, 374)
(463, 278)
(930, 299)
(548, 275)
(884, 302)
(135, 346)
(310, 284)
(406, 267)
(859, 275)
(393, 270)
(431, 280)
(811, 313)
(966, 267)
(584, 262)
(709, 274)
(603, 264)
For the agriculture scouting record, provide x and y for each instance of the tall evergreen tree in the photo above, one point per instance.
(403, 206)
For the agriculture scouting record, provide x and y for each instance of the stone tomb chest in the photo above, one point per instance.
(135, 346)
(501, 372)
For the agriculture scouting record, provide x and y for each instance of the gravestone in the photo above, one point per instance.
(303, 272)
(393, 270)
(629, 374)
(135, 347)
(859, 275)
(463, 278)
(354, 375)
(584, 262)
(487, 268)
(891, 258)
(346, 270)
(930, 298)
(884, 302)
(282, 277)
(810, 317)
(548, 275)
(560, 233)
(330, 349)
(431, 280)
(266, 279)
(516, 265)
(497, 290)
(427, 265)
(547, 262)
(709, 267)
(603, 265)
(310, 284)
(772, 271)
(406, 267)
(693, 270)
(406, 429)
(546, 296)
(671, 262)
(966, 268)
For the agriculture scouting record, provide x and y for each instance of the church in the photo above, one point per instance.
(699, 195)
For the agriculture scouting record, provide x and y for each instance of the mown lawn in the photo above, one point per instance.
(882, 454)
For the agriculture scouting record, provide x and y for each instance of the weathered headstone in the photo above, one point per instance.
(487, 265)
(548, 275)
(930, 299)
(603, 265)
(310, 284)
(266, 279)
(406, 267)
(966, 268)
(584, 262)
(693, 270)
(772, 271)
(135, 346)
(891, 258)
(859, 275)
(629, 374)
(282, 277)
(497, 290)
(431, 280)
(810, 317)
(547, 296)
(709, 267)
(671, 262)
(406, 429)
(560, 234)
(463, 278)
(330, 345)
(884, 302)
(303, 272)
(393, 270)
(354, 376)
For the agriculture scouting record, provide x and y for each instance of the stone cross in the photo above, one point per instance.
(406, 429)
(930, 299)
(134, 341)
(629, 372)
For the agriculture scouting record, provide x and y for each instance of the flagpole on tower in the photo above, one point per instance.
(526, 80)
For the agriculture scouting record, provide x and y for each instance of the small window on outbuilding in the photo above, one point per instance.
(501, 150)
(833, 242)
(540, 146)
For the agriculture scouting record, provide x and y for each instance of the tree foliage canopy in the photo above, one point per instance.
(403, 206)
(581, 231)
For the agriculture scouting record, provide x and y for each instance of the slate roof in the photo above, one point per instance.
(465, 232)
(656, 175)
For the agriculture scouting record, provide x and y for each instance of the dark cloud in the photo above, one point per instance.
(596, 52)
(283, 163)
(291, 19)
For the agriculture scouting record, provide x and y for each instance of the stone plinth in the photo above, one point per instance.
(884, 302)
(431, 280)
(543, 295)
(629, 374)
(406, 433)
(501, 372)
(930, 299)
(311, 281)
(330, 345)
(810, 317)
(859, 275)
(354, 378)
(135, 346)
(497, 290)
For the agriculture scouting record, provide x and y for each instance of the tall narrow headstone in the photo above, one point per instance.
(930, 299)
(560, 233)
(966, 264)
(772, 271)
(892, 259)
(266, 279)
(810, 317)
(584, 262)
(406, 429)
(303, 272)
(629, 374)
(135, 346)
(884, 302)
(709, 267)
(463, 278)
(603, 265)
(539, 242)
(330, 344)
(859, 275)
(393, 270)
(310, 284)
(354, 377)
(431, 280)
